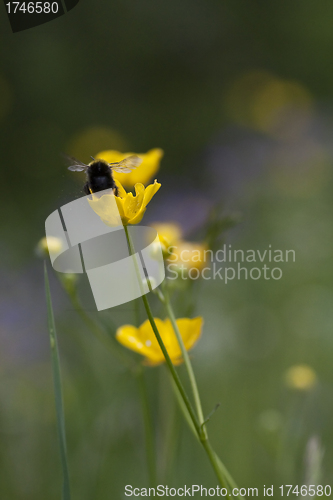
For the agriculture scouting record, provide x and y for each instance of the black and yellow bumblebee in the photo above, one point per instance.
(99, 172)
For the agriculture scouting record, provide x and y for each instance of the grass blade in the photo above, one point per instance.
(57, 390)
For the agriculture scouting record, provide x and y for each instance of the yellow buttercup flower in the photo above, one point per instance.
(130, 208)
(143, 340)
(148, 168)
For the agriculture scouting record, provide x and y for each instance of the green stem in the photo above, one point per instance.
(222, 473)
(170, 366)
(183, 409)
(148, 425)
(57, 390)
(227, 474)
(161, 343)
(215, 460)
(187, 362)
(216, 466)
(202, 436)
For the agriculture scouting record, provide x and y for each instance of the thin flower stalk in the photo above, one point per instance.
(160, 341)
(219, 467)
(187, 363)
(218, 464)
(66, 495)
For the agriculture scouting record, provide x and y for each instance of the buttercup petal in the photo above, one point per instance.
(133, 204)
(139, 216)
(120, 205)
(147, 334)
(131, 208)
(130, 337)
(150, 191)
(190, 330)
(106, 208)
(139, 189)
(143, 340)
(169, 339)
(111, 155)
(121, 191)
(149, 166)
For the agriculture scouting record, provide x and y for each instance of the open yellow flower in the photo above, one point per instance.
(131, 208)
(148, 168)
(143, 340)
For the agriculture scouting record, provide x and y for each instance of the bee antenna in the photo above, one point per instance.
(92, 158)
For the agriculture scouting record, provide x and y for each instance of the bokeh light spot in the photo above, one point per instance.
(85, 143)
(272, 105)
(301, 377)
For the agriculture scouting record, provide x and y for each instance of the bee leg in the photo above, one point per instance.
(115, 191)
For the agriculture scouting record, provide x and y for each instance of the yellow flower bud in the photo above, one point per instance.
(47, 246)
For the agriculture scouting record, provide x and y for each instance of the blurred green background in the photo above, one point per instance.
(239, 95)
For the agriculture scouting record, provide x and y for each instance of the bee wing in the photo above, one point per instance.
(77, 168)
(127, 164)
(75, 165)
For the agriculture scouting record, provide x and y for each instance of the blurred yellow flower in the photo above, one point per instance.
(148, 168)
(50, 245)
(188, 254)
(180, 253)
(143, 340)
(131, 208)
(270, 104)
(168, 233)
(301, 377)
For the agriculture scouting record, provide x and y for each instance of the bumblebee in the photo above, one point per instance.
(99, 172)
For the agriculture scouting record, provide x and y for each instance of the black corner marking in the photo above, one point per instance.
(24, 15)
(70, 4)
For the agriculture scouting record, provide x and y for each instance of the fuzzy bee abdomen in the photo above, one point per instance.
(99, 183)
